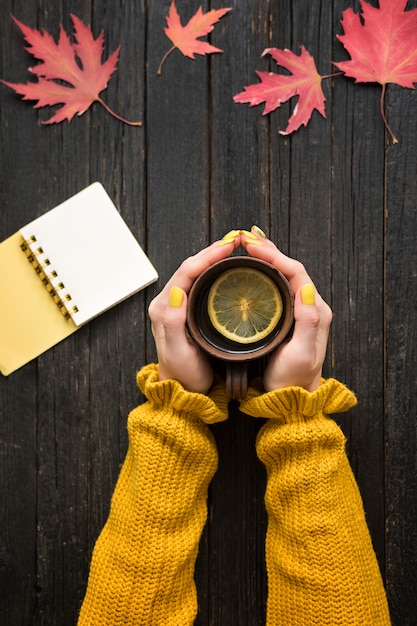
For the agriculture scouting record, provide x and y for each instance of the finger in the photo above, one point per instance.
(191, 268)
(307, 321)
(169, 327)
(178, 357)
(173, 313)
(312, 322)
(267, 251)
(173, 322)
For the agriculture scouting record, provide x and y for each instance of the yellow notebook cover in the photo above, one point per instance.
(62, 270)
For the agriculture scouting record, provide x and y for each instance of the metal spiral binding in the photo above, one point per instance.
(41, 264)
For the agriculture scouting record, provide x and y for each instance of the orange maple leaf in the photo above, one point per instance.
(382, 44)
(274, 89)
(185, 38)
(77, 66)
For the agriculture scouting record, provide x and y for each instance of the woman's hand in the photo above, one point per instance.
(178, 356)
(299, 361)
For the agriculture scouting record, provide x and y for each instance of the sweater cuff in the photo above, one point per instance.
(209, 408)
(294, 404)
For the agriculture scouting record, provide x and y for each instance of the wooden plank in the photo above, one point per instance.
(22, 199)
(301, 162)
(117, 339)
(176, 147)
(239, 146)
(63, 431)
(177, 170)
(358, 277)
(357, 347)
(18, 497)
(401, 358)
(62, 397)
(239, 198)
(237, 577)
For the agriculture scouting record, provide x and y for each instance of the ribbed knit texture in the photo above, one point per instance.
(321, 565)
(143, 562)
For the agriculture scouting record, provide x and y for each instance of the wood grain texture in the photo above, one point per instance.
(401, 359)
(337, 195)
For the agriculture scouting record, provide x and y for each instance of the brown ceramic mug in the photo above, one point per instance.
(236, 355)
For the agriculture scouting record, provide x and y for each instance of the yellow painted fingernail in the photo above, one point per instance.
(249, 235)
(308, 294)
(176, 297)
(225, 242)
(258, 231)
(254, 242)
(231, 234)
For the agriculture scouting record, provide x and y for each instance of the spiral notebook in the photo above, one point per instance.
(63, 269)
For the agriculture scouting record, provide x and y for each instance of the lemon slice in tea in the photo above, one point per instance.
(244, 305)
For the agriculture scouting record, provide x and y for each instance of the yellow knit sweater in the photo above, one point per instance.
(320, 562)
(321, 565)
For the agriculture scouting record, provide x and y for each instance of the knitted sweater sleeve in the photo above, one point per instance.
(321, 565)
(142, 569)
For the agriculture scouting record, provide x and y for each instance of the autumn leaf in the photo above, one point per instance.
(382, 44)
(274, 89)
(70, 74)
(186, 38)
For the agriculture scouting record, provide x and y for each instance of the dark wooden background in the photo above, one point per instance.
(337, 195)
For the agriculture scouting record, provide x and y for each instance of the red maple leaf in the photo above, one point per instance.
(274, 89)
(382, 44)
(76, 66)
(185, 38)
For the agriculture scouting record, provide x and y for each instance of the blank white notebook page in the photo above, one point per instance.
(90, 253)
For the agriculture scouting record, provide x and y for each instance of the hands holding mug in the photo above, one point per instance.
(297, 362)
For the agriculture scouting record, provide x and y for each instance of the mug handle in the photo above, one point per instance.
(236, 380)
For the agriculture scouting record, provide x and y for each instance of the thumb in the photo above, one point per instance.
(169, 330)
(176, 297)
(299, 361)
(307, 318)
(180, 358)
(175, 314)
